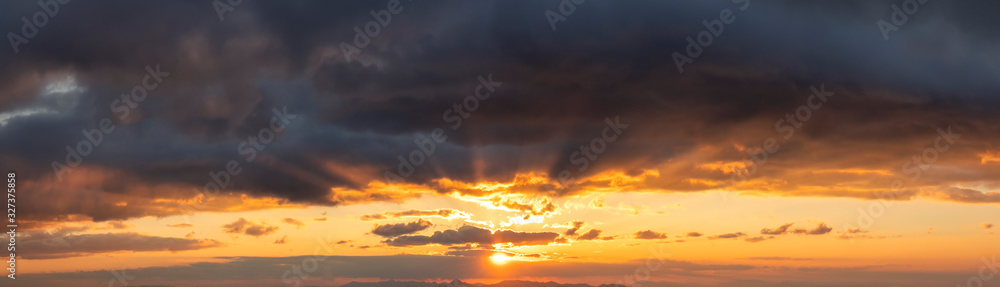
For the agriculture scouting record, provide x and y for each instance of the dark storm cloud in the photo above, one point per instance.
(611, 59)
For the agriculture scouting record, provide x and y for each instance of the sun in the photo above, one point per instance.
(499, 258)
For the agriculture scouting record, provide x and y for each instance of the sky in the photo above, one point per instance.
(644, 143)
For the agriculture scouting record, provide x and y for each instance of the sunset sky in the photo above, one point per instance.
(678, 143)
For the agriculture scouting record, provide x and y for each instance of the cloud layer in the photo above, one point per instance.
(480, 236)
(61, 244)
(354, 120)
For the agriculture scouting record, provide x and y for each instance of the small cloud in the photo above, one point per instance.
(293, 221)
(576, 227)
(861, 235)
(368, 217)
(728, 235)
(963, 195)
(180, 225)
(778, 258)
(461, 247)
(649, 234)
(987, 226)
(534, 207)
(777, 231)
(281, 241)
(592, 235)
(694, 234)
(397, 229)
(757, 239)
(821, 229)
(483, 237)
(119, 225)
(189, 235)
(320, 219)
(344, 242)
(988, 157)
(855, 230)
(249, 228)
(445, 213)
